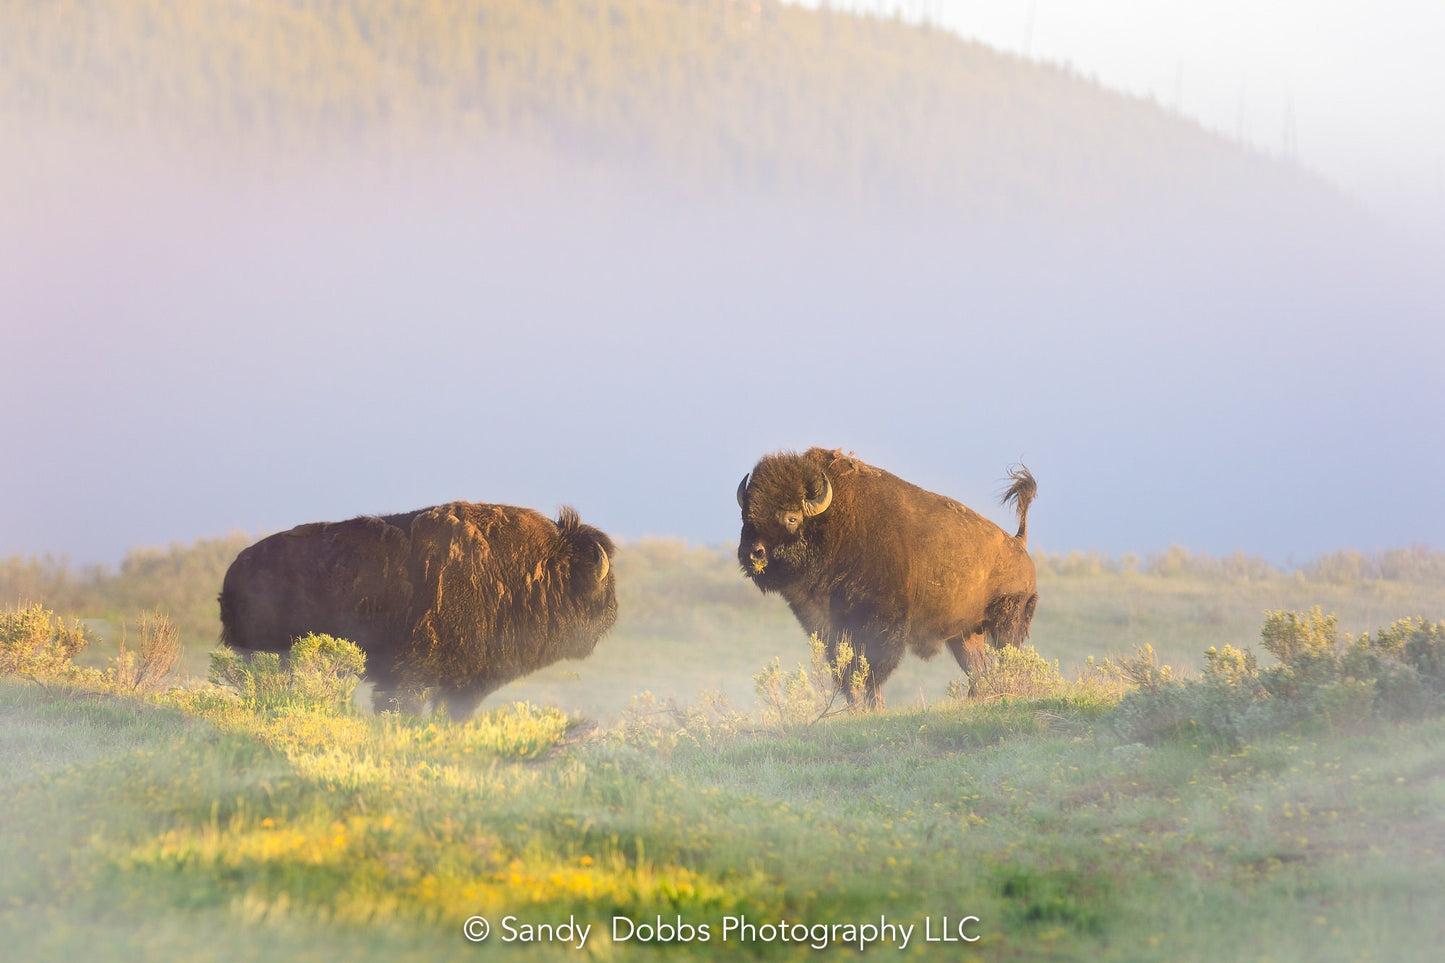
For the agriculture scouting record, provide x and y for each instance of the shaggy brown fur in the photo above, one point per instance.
(460, 597)
(859, 552)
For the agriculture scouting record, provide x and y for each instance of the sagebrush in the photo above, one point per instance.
(1318, 681)
(321, 673)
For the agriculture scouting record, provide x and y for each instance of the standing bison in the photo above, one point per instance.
(859, 552)
(461, 597)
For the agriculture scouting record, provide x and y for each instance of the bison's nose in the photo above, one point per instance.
(759, 554)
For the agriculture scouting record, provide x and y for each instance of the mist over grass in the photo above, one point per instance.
(274, 820)
(688, 621)
(1273, 791)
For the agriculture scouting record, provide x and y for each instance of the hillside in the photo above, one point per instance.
(804, 228)
(704, 94)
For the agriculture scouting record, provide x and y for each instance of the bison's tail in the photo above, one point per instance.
(1021, 494)
(227, 619)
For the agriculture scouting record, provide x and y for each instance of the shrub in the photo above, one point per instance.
(183, 578)
(518, 731)
(1144, 670)
(1077, 563)
(1162, 706)
(321, 674)
(1236, 567)
(1286, 635)
(1406, 662)
(1344, 567)
(145, 668)
(325, 670)
(661, 725)
(1414, 564)
(1346, 704)
(1010, 673)
(1399, 673)
(794, 699)
(1416, 643)
(1230, 665)
(36, 644)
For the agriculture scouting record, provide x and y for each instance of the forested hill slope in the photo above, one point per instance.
(704, 93)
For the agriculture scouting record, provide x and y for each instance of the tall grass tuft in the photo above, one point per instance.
(143, 669)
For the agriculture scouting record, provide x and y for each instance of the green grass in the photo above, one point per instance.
(193, 826)
(196, 825)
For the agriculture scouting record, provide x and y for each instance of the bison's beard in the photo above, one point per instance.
(785, 563)
(766, 580)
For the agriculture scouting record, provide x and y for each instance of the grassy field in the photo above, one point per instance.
(1059, 824)
(194, 827)
(688, 622)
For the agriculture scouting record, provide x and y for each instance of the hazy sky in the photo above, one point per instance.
(186, 358)
(1354, 88)
(187, 351)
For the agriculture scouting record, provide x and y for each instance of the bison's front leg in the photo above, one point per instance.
(872, 697)
(861, 675)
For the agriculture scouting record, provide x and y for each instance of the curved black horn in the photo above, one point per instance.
(743, 489)
(820, 504)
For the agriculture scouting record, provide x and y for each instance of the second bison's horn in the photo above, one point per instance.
(743, 489)
(820, 504)
(603, 562)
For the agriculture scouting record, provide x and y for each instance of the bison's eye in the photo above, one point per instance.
(792, 521)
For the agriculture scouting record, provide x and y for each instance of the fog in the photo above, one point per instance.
(193, 349)
(610, 262)
(1345, 87)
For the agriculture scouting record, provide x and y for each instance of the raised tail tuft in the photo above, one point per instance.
(1021, 494)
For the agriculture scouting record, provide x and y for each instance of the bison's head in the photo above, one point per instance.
(593, 585)
(780, 500)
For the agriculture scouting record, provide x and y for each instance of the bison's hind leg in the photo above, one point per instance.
(970, 651)
(1009, 617)
(1006, 622)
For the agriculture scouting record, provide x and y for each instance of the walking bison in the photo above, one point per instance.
(462, 598)
(858, 552)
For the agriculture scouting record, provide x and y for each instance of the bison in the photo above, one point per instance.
(858, 552)
(461, 597)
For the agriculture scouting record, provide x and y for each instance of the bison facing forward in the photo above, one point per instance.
(856, 551)
(460, 597)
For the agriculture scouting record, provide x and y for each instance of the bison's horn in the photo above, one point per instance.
(820, 504)
(743, 489)
(604, 562)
